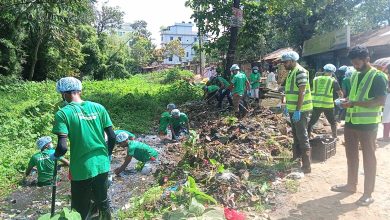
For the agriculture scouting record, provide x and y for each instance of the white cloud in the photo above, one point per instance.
(156, 13)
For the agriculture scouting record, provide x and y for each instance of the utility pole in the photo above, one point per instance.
(201, 61)
(233, 43)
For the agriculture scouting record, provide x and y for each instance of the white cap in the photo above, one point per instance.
(175, 112)
(43, 141)
(123, 136)
(290, 55)
(68, 84)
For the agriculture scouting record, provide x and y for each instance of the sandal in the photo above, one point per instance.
(365, 201)
(343, 188)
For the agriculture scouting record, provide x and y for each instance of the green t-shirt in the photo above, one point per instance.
(239, 81)
(178, 122)
(255, 80)
(131, 135)
(44, 164)
(164, 122)
(84, 124)
(346, 85)
(141, 151)
(223, 81)
(212, 88)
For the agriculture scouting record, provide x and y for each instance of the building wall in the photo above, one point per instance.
(184, 33)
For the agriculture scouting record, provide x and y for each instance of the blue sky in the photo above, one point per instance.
(156, 13)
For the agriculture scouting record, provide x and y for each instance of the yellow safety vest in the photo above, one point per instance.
(292, 91)
(323, 92)
(359, 92)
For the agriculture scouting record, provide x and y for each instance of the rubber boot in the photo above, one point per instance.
(306, 161)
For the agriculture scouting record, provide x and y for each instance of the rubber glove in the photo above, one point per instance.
(285, 111)
(223, 90)
(296, 116)
(52, 157)
(110, 157)
(153, 159)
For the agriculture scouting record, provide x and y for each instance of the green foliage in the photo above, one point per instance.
(27, 111)
(65, 214)
(176, 74)
(194, 191)
(140, 205)
(219, 166)
(230, 120)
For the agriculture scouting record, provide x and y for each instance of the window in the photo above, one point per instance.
(188, 54)
(179, 59)
(195, 39)
(170, 58)
(162, 38)
(179, 38)
(171, 38)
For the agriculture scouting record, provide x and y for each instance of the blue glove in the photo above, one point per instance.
(110, 157)
(285, 111)
(52, 157)
(296, 116)
(223, 90)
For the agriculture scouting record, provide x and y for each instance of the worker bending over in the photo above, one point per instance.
(179, 124)
(165, 119)
(43, 163)
(140, 151)
(210, 92)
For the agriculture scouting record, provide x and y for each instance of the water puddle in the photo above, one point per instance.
(30, 202)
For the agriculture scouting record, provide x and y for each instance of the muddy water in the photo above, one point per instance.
(30, 202)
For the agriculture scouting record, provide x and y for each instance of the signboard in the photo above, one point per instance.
(335, 40)
(237, 19)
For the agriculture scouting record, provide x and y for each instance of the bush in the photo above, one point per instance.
(176, 74)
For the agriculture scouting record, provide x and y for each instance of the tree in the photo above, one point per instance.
(140, 28)
(173, 48)
(108, 18)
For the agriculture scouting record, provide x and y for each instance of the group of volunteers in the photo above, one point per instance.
(175, 122)
(235, 88)
(364, 90)
(88, 127)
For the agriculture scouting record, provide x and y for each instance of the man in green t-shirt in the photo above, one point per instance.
(84, 123)
(179, 124)
(43, 163)
(240, 85)
(165, 119)
(224, 91)
(140, 151)
(210, 92)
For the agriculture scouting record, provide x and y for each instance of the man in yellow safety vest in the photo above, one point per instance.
(364, 108)
(298, 106)
(322, 93)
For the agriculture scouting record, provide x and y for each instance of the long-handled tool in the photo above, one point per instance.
(54, 189)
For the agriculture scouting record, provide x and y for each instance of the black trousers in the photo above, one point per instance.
(224, 94)
(329, 114)
(95, 189)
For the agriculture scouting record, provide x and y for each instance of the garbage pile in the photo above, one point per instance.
(236, 162)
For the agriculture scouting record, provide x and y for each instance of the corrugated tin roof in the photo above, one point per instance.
(382, 64)
(373, 38)
(276, 55)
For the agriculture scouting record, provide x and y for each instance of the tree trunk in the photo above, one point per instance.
(34, 58)
(232, 44)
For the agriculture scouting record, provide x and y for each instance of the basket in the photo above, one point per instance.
(323, 148)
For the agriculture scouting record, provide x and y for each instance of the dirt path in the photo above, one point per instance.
(314, 200)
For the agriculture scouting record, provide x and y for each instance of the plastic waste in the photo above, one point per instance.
(146, 169)
(231, 214)
(196, 208)
(295, 175)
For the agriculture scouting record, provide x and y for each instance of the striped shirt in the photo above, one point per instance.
(301, 78)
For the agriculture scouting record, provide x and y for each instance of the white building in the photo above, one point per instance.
(184, 33)
(124, 29)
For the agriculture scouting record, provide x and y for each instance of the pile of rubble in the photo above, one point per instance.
(237, 162)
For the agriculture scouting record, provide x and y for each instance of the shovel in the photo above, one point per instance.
(54, 189)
